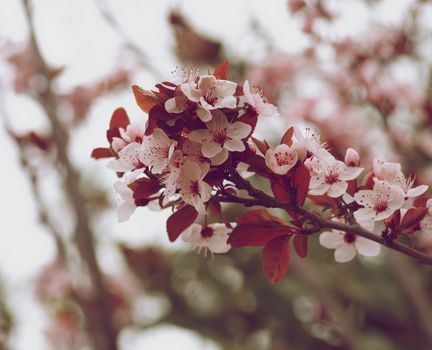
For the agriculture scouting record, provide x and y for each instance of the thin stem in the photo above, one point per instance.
(100, 321)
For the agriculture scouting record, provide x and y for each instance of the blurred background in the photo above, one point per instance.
(71, 277)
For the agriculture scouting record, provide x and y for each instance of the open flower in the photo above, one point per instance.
(210, 93)
(221, 136)
(128, 159)
(127, 205)
(379, 203)
(426, 222)
(172, 173)
(258, 101)
(281, 159)
(212, 237)
(392, 173)
(193, 189)
(309, 144)
(157, 150)
(347, 245)
(330, 176)
(133, 133)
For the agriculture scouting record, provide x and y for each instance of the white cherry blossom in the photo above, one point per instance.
(193, 190)
(213, 237)
(347, 245)
(157, 151)
(329, 176)
(258, 101)
(379, 203)
(172, 174)
(210, 94)
(392, 173)
(126, 206)
(129, 159)
(220, 136)
(281, 159)
(309, 143)
(134, 133)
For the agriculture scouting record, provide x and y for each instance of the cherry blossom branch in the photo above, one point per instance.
(101, 320)
(263, 199)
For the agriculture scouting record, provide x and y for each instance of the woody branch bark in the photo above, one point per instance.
(104, 335)
(260, 198)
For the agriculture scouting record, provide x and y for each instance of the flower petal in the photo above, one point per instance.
(331, 239)
(366, 247)
(345, 252)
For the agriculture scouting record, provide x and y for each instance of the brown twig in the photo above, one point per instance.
(104, 335)
(260, 198)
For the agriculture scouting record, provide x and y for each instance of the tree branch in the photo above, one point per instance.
(260, 198)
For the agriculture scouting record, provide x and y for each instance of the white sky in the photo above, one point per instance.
(72, 33)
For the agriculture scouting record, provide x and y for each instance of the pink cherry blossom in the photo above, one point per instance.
(392, 173)
(210, 93)
(309, 144)
(379, 203)
(157, 150)
(126, 206)
(129, 159)
(173, 172)
(212, 237)
(258, 101)
(347, 245)
(221, 136)
(134, 133)
(281, 159)
(193, 190)
(329, 176)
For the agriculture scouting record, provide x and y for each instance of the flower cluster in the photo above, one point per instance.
(192, 155)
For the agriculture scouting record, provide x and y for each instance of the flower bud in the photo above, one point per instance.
(352, 157)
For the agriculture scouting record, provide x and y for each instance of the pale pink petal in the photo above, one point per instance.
(171, 106)
(226, 102)
(200, 136)
(331, 239)
(190, 92)
(220, 158)
(204, 114)
(225, 88)
(350, 173)
(319, 190)
(417, 191)
(218, 244)
(234, 145)
(210, 149)
(364, 214)
(239, 130)
(345, 252)
(366, 247)
(337, 189)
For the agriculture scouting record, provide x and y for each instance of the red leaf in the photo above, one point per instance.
(222, 70)
(275, 259)
(259, 217)
(301, 182)
(144, 99)
(287, 138)
(144, 188)
(280, 191)
(180, 221)
(301, 245)
(249, 235)
(119, 119)
(411, 220)
(101, 152)
(256, 228)
(263, 146)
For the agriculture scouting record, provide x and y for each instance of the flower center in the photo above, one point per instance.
(380, 207)
(220, 137)
(207, 232)
(332, 177)
(283, 158)
(210, 96)
(350, 237)
(194, 188)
